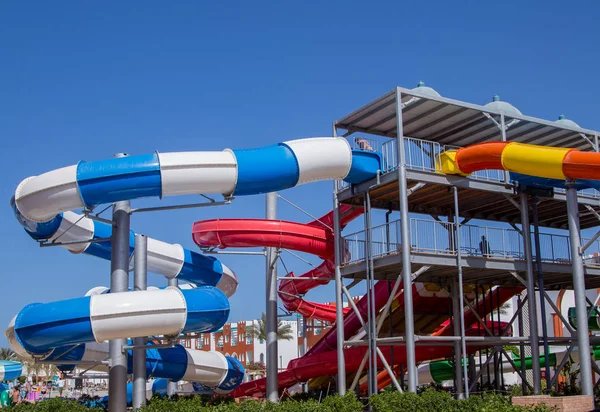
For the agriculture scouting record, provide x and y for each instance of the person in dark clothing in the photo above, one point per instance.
(484, 247)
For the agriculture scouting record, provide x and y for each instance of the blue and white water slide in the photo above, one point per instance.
(77, 329)
(10, 370)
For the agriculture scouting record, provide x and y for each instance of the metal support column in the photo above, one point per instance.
(531, 298)
(540, 279)
(521, 347)
(409, 322)
(305, 346)
(339, 302)
(503, 137)
(583, 339)
(140, 282)
(172, 386)
(456, 313)
(271, 311)
(119, 282)
(371, 327)
(461, 303)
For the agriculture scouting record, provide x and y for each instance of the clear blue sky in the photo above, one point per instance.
(83, 80)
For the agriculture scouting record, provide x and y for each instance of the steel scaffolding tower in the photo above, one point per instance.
(410, 128)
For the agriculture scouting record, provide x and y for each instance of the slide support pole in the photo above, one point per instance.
(271, 312)
(119, 282)
(140, 282)
(172, 386)
(409, 322)
(531, 297)
(583, 338)
(339, 303)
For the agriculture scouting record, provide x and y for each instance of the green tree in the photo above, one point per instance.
(8, 354)
(259, 330)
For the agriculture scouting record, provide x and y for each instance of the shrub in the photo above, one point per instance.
(440, 401)
(428, 400)
(54, 405)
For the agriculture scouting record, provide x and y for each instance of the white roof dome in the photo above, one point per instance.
(421, 88)
(499, 105)
(563, 121)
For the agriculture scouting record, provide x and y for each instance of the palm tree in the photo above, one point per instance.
(259, 330)
(8, 354)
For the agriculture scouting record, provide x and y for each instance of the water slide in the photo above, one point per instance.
(540, 165)
(316, 238)
(72, 330)
(440, 371)
(324, 362)
(10, 370)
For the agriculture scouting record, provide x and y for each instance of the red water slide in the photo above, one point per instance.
(315, 238)
(325, 363)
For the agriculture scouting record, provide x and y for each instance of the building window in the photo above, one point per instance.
(220, 342)
(199, 343)
(317, 327)
(234, 337)
(248, 339)
(226, 338)
(262, 358)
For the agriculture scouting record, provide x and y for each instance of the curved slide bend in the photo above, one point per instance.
(10, 370)
(66, 330)
(315, 238)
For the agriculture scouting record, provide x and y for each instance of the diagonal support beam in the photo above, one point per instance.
(386, 365)
(518, 277)
(359, 372)
(592, 211)
(355, 308)
(414, 188)
(516, 228)
(488, 331)
(353, 283)
(512, 363)
(590, 242)
(513, 201)
(562, 364)
(481, 369)
(516, 314)
(559, 313)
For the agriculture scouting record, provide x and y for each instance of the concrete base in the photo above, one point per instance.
(579, 403)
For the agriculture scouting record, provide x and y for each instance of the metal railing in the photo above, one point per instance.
(424, 155)
(438, 238)
(593, 193)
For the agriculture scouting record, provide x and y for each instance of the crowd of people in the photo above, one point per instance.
(31, 392)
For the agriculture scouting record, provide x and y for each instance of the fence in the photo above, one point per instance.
(436, 237)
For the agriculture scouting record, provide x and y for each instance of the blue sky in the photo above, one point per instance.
(83, 80)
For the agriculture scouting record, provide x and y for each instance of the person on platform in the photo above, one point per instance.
(484, 247)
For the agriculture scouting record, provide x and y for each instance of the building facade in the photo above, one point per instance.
(237, 339)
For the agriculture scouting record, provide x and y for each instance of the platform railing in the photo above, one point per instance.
(438, 238)
(424, 155)
(593, 193)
